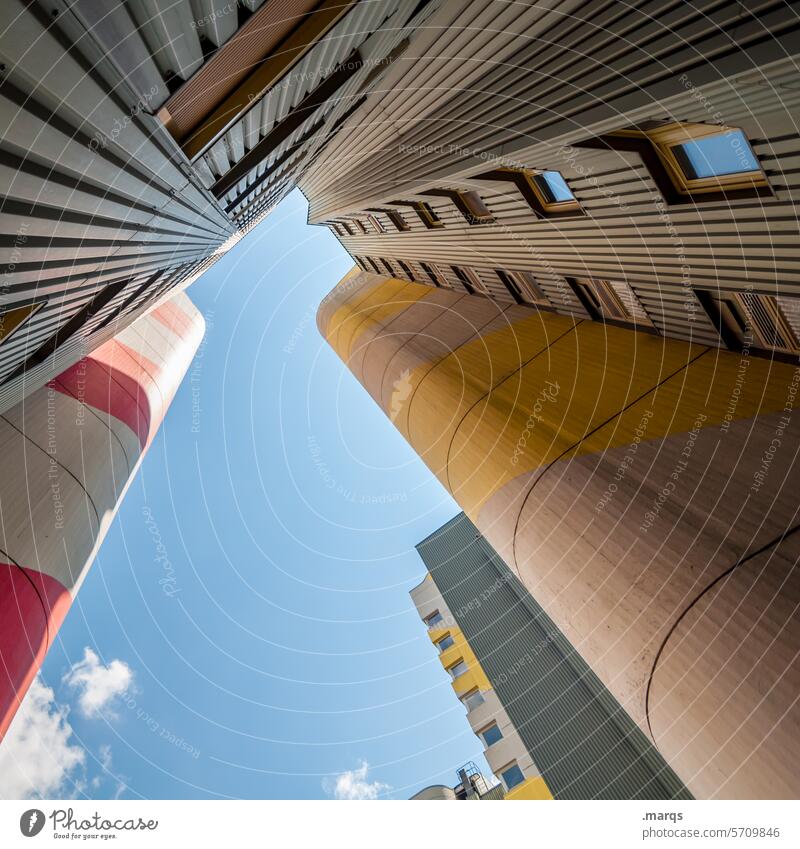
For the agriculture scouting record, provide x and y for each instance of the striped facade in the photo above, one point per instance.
(69, 451)
(545, 710)
(143, 139)
(643, 489)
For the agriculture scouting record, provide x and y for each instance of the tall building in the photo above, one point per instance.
(642, 488)
(142, 139)
(577, 297)
(68, 453)
(548, 727)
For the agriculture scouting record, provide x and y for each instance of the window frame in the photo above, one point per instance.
(431, 616)
(491, 726)
(433, 274)
(451, 670)
(467, 696)
(444, 639)
(502, 773)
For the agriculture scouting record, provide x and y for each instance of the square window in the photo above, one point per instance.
(458, 669)
(716, 156)
(555, 187)
(512, 776)
(473, 700)
(445, 643)
(491, 735)
(435, 620)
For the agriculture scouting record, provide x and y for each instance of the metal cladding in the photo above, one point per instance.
(69, 452)
(628, 481)
(545, 700)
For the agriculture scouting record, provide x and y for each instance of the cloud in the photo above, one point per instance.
(353, 784)
(98, 685)
(37, 758)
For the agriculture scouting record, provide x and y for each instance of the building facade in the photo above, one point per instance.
(577, 298)
(549, 728)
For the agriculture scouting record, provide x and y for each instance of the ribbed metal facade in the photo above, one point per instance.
(582, 741)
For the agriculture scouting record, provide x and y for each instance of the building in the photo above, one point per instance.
(628, 481)
(577, 298)
(471, 786)
(143, 139)
(549, 728)
(69, 451)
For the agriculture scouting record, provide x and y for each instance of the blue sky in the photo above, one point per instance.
(274, 645)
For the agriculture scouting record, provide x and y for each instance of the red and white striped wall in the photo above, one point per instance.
(67, 453)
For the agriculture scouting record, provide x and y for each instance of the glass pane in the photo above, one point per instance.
(512, 777)
(491, 735)
(716, 156)
(473, 700)
(445, 643)
(557, 186)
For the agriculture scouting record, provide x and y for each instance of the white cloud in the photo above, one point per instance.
(353, 784)
(37, 758)
(98, 685)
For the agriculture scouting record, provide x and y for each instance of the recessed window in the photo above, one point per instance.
(388, 266)
(490, 735)
(435, 620)
(427, 215)
(432, 273)
(469, 280)
(478, 211)
(764, 323)
(705, 159)
(375, 268)
(406, 269)
(458, 669)
(610, 299)
(376, 224)
(13, 318)
(472, 700)
(445, 643)
(555, 186)
(337, 229)
(511, 776)
(346, 228)
(397, 219)
(360, 225)
(522, 286)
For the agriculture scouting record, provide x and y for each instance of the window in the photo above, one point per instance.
(469, 280)
(360, 225)
(530, 287)
(469, 204)
(388, 266)
(406, 269)
(346, 228)
(766, 323)
(610, 299)
(428, 217)
(445, 643)
(692, 162)
(472, 700)
(431, 272)
(13, 318)
(553, 192)
(424, 212)
(397, 219)
(490, 735)
(435, 620)
(336, 229)
(523, 287)
(376, 225)
(511, 776)
(546, 192)
(474, 209)
(457, 669)
(375, 268)
(705, 158)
